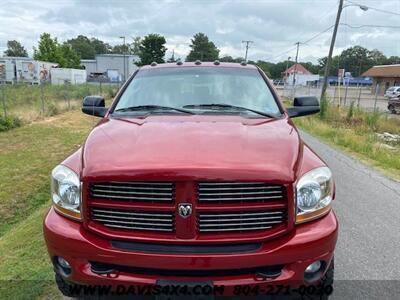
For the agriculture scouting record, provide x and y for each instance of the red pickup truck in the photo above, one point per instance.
(195, 173)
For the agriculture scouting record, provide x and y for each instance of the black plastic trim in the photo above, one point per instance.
(265, 271)
(186, 249)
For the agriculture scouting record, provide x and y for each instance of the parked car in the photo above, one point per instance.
(392, 92)
(195, 174)
(394, 104)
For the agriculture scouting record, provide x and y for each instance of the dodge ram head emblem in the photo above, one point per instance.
(185, 209)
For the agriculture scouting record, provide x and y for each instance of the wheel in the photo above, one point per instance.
(392, 109)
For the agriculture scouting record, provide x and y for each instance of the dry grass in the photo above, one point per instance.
(32, 103)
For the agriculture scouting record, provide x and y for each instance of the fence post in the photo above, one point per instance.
(345, 92)
(3, 98)
(376, 96)
(359, 98)
(42, 96)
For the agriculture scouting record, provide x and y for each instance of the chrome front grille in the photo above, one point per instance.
(221, 192)
(240, 220)
(134, 191)
(133, 219)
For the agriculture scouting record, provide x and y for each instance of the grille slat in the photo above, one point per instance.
(234, 229)
(242, 214)
(133, 220)
(221, 192)
(240, 221)
(134, 191)
(127, 212)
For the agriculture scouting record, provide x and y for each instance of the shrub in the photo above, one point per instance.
(371, 119)
(51, 109)
(9, 122)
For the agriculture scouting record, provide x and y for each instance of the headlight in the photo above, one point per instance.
(314, 192)
(66, 191)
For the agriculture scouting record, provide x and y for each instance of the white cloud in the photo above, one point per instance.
(274, 26)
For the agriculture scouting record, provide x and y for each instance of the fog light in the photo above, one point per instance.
(63, 263)
(314, 267)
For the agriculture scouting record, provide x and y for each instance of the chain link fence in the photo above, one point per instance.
(22, 103)
(361, 97)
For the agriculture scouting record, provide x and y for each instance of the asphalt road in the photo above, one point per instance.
(367, 204)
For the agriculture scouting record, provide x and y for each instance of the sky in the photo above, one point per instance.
(273, 26)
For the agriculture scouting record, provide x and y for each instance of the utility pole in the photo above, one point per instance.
(286, 75)
(295, 66)
(295, 70)
(247, 48)
(329, 58)
(123, 52)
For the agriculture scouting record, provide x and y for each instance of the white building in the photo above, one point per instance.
(117, 67)
(301, 75)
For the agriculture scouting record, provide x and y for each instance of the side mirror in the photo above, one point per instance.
(303, 106)
(94, 106)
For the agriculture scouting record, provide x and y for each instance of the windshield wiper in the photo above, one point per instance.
(228, 106)
(153, 108)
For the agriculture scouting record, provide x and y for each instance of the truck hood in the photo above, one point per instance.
(192, 148)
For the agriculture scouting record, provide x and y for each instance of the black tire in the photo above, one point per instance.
(392, 109)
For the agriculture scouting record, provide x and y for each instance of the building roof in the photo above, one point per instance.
(299, 68)
(383, 71)
(116, 55)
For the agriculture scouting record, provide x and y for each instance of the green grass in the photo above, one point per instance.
(26, 272)
(28, 154)
(355, 131)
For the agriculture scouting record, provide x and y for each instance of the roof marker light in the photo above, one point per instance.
(197, 62)
(243, 63)
(153, 64)
(216, 62)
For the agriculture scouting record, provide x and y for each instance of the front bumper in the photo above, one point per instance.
(307, 243)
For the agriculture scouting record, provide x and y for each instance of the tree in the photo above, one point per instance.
(83, 46)
(68, 58)
(48, 49)
(202, 49)
(14, 48)
(100, 47)
(152, 49)
(229, 58)
(135, 46)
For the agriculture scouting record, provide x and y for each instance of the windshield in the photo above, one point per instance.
(182, 87)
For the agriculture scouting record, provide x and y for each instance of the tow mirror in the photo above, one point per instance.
(94, 106)
(303, 106)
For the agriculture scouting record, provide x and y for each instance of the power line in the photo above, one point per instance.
(376, 9)
(368, 25)
(318, 34)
